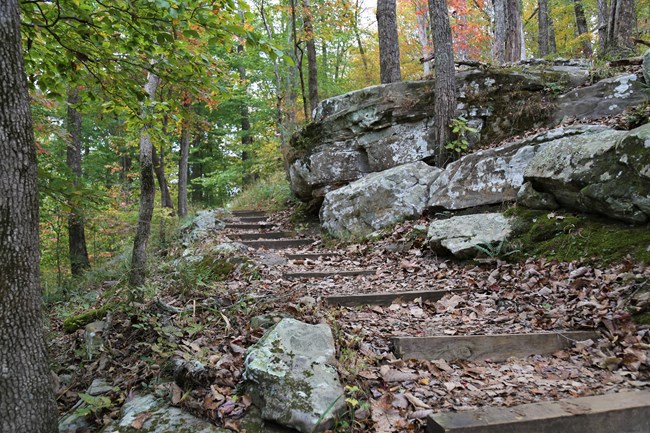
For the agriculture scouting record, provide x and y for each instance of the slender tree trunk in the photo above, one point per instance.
(26, 396)
(421, 14)
(552, 47)
(543, 25)
(183, 169)
(581, 26)
(298, 57)
(312, 66)
(76, 232)
(246, 137)
(389, 71)
(147, 195)
(445, 84)
(159, 168)
(602, 25)
(499, 45)
(196, 172)
(357, 36)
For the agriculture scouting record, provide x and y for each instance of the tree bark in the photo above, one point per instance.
(581, 25)
(147, 195)
(498, 48)
(421, 14)
(78, 252)
(445, 85)
(621, 24)
(159, 168)
(389, 71)
(552, 47)
(26, 396)
(543, 21)
(602, 25)
(514, 43)
(183, 170)
(312, 67)
(357, 35)
(298, 54)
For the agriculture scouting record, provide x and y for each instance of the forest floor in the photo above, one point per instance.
(198, 313)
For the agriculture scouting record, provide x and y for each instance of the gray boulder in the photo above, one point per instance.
(606, 173)
(608, 97)
(528, 197)
(378, 200)
(291, 378)
(205, 222)
(493, 176)
(160, 418)
(459, 235)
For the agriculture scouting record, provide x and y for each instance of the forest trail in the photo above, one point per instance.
(422, 334)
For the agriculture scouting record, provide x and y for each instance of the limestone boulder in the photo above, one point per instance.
(606, 173)
(493, 176)
(158, 417)
(290, 375)
(204, 222)
(459, 235)
(378, 200)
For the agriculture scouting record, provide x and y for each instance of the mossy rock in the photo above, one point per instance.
(566, 237)
(71, 324)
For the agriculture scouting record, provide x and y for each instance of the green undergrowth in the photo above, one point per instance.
(271, 194)
(566, 236)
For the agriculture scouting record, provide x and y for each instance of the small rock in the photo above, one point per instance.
(307, 301)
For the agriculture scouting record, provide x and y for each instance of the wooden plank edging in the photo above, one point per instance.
(325, 274)
(380, 298)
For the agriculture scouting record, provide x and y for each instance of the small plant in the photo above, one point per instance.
(461, 129)
(493, 250)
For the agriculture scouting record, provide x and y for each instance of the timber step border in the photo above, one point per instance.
(279, 244)
(313, 256)
(623, 412)
(387, 298)
(252, 219)
(247, 226)
(249, 213)
(262, 235)
(495, 347)
(325, 274)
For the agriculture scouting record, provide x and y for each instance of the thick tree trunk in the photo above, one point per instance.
(147, 195)
(26, 396)
(421, 14)
(499, 44)
(602, 25)
(159, 168)
(445, 85)
(76, 232)
(581, 25)
(620, 27)
(312, 66)
(183, 170)
(514, 48)
(389, 71)
(543, 21)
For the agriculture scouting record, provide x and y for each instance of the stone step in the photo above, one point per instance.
(240, 226)
(312, 256)
(249, 213)
(325, 274)
(279, 244)
(252, 219)
(624, 412)
(387, 298)
(262, 235)
(497, 347)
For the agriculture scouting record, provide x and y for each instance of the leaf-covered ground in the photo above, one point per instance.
(187, 314)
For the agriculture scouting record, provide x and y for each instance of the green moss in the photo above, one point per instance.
(642, 319)
(566, 237)
(71, 324)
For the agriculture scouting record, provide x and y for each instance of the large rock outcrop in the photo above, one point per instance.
(460, 235)
(380, 127)
(291, 378)
(378, 200)
(606, 173)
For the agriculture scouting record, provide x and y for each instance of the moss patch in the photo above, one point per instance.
(566, 237)
(71, 324)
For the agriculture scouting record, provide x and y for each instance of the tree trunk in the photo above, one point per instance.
(622, 20)
(298, 58)
(183, 170)
(357, 35)
(159, 168)
(246, 137)
(388, 41)
(543, 21)
(147, 195)
(552, 47)
(514, 47)
(445, 85)
(602, 25)
(581, 25)
(26, 397)
(76, 232)
(498, 49)
(312, 67)
(421, 14)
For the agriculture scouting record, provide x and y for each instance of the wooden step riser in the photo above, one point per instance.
(252, 219)
(279, 244)
(261, 235)
(625, 412)
(327, 274)
(312, 256)
(237, 226)
(384, 299)
(249, 213)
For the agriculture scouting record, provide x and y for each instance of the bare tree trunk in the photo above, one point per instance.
(76, 231)
(183, 169)
(421, 14)
(159, 168)
(147, 195)
(312, 67)
(514, 47)
(298, 57)
(602, 25)
(543, 25)
(622, 20)
(246, 137)
(357, 35)
(581, 25)
(389, 71)
(552, 47)
(499, 31)
(26, 396)
(445, 85)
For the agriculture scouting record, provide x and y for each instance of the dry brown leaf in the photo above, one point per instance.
(140, 419)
